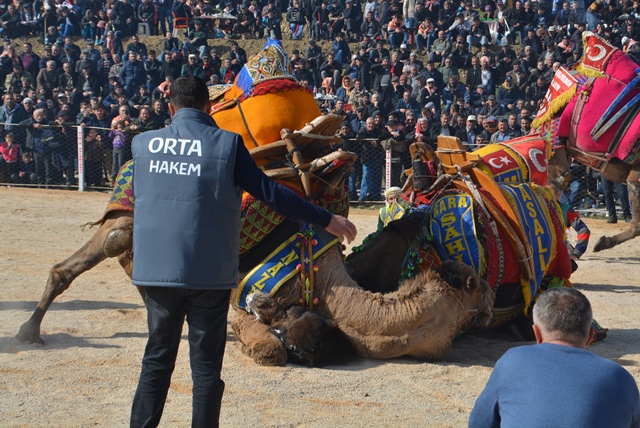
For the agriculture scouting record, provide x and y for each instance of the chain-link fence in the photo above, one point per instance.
(87, 158)
(62, 155)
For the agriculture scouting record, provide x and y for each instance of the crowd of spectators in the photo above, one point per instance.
(474, 69)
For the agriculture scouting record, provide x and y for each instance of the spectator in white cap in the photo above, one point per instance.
(469, 133)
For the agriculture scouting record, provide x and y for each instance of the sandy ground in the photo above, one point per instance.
(94, 334)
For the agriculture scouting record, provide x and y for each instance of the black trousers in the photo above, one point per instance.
(206, 314)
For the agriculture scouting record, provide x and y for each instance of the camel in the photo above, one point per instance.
(590, 114)
(421, 319)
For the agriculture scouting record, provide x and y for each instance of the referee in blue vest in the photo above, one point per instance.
(188, 185)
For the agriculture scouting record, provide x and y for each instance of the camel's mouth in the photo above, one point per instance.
(486, 307)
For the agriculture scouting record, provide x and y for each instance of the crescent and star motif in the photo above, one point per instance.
(533, 155)
(602, 52)
(494, 162)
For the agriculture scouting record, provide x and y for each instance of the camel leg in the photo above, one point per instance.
(62, 274)
(126, 261)
(257, 341)
(606, 242)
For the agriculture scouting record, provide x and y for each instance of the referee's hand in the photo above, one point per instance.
(342, 228)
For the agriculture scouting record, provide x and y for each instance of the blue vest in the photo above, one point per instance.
(187, 212)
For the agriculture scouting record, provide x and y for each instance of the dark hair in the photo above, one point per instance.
(189, 92)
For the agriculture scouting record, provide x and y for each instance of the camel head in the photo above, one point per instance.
(265, 307)
(473, 293)
(559, 167)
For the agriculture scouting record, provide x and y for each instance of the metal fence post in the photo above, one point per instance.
(387, 169)
(80, 158)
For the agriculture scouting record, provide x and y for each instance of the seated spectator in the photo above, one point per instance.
(271, 25)
(336, 18)
(147, 15)
(245, 24)
(25, 170)
(341, 50)
(508, 94)
(140, 100)
(196, 40)
(440, 48)
(502, 134)
(89, 24)
(136, 46)
(132, 75)
(562, 324)
(395, 31)
(296, 20)
(370, 27)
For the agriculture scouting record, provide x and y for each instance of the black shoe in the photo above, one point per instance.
(612, 220)
(627, 218)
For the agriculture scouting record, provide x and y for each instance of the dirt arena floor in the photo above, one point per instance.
(86, 373)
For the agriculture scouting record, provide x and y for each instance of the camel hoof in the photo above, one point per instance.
(29, 333)
(604, 243)
(268, 353)
(117, 242)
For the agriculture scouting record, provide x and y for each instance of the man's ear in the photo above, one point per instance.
(172, 109)
(592, 335)
(537, 333)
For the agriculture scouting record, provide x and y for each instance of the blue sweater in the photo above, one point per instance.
(550, 385)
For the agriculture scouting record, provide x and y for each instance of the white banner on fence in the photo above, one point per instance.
(80, 158)
(387, 169)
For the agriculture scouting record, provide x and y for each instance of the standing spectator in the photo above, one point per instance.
(393, 139)
(119, 145)
(153, 68)
(47, 79)
(622, 192)
(93, 154)
(11, 113)
(9, 150)
(372, 161)
(165, 19)
(30, 61)
(39, 145)
(562, 324)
